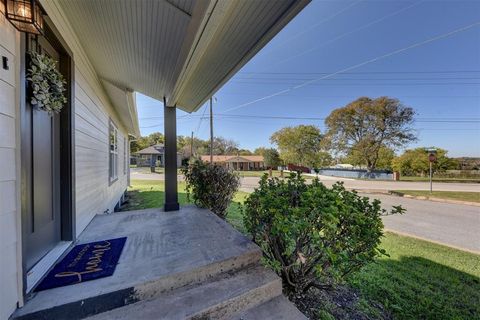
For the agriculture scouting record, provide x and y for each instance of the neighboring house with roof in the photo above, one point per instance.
(241, 163)
(153, 156)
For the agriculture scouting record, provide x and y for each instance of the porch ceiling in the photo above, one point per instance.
(183, 50)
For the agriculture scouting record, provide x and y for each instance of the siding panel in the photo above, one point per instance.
(7, 99)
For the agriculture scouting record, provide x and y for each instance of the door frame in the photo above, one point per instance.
(67, 141)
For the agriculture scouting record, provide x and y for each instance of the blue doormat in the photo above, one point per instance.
(85, 262)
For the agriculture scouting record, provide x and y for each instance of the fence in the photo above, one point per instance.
(355, 173)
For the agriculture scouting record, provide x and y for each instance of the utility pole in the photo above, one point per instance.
(191, 146)
(211, 131)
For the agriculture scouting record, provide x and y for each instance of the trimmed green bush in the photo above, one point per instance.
(311, 235)
(210, 186)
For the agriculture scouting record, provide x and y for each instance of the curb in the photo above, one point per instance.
(400, 194)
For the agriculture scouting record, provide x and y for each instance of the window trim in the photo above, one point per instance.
(112, 177)
(125, 155)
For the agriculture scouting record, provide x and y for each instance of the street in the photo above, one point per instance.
(450, 224)
(249, 183)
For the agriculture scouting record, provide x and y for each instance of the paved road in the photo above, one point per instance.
(249, 183)
(451, 224)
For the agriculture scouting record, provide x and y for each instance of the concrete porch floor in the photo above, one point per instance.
(190, 250)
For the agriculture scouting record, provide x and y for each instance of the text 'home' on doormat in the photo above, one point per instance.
(85, 262)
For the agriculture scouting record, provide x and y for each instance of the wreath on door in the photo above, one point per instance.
(47, 83)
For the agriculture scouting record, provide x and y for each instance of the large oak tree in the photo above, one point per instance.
(366, 125)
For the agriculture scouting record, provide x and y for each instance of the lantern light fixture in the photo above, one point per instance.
(25, 15)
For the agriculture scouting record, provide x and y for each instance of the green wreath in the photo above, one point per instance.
(47, 83)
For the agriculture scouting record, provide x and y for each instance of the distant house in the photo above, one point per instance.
(153, 156)
(241, 163)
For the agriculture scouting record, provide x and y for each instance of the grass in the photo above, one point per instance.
(420, 279)
(146, 194)
(275, 173)
(260, 173)
(438, 179)
(452, 195)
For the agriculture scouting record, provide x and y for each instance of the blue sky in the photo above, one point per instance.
(439, 79)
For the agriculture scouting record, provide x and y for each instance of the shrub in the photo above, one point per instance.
(211, 186)
(312, 235)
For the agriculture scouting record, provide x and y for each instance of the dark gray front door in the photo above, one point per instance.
(43, 179)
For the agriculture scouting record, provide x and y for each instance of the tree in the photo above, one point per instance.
(271, 158)
(301, 145)
(260, 151)
(366, 125)
(415, 162)
(385, 157)
(244, 152)
(147, 141)
(223, 146)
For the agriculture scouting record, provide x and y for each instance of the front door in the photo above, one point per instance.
(42, 147)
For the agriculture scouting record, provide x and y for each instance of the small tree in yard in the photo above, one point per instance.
(271, 158)
(211, 186)
(313, 236)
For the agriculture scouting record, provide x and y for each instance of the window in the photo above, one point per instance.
(113, 152)
(125, 155)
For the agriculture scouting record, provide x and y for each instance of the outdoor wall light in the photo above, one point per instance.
(25, 15)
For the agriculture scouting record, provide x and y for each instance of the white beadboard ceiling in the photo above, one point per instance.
(183, 50)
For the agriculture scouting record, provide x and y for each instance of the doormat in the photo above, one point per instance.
(85, 262)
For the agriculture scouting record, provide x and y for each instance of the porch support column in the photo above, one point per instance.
(170, 124)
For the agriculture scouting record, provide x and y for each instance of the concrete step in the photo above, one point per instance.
(164, 251)
(279, 308)
(220, 298)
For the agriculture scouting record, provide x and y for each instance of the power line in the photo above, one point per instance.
(343, 35)
(376, 84)
(424, 119)
(350, 79)
(415, 45)
(295, 36)
(200, 121)
(368, 72)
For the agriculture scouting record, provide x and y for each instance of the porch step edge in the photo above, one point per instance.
(219, 298)
(149, 290)
(278, 308)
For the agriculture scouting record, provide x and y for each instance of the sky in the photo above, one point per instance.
(424, 53)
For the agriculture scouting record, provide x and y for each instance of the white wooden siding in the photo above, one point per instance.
(93, 109)
(9, 212)
(94, 194)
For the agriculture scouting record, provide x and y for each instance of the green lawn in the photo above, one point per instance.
(438, 179)
(260, 173)
(452, 195)
(420, 279)
(146, 194)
